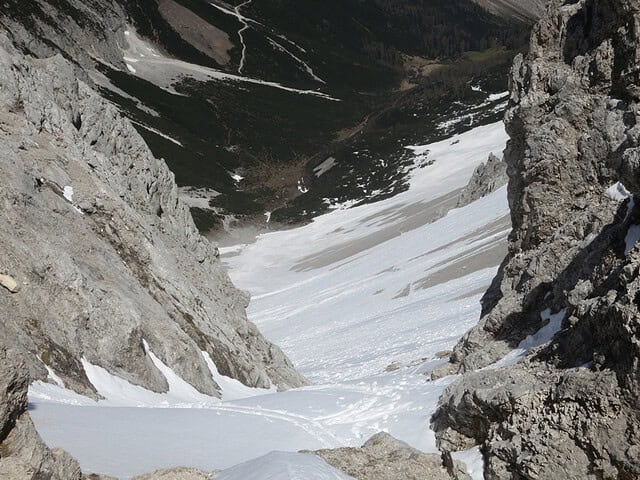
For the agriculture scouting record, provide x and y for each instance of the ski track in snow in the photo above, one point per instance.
(362, 300)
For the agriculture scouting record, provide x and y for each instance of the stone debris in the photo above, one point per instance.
(10, 283)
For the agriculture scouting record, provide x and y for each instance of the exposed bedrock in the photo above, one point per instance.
(570, 408)
(104, 252)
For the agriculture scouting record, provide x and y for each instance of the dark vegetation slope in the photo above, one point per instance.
(399, 67)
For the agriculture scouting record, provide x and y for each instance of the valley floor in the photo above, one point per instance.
(363, 300)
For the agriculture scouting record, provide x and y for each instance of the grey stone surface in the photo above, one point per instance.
(384, 457)
(23, 455)
(486, 178)
(119, 263)
(570, 408)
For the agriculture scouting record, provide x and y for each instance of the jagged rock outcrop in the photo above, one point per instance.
(105, 253)
(570, 408)
(384, 457)
(23, 455)
(486, 178)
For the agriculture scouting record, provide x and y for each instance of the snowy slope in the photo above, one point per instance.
(363, 300)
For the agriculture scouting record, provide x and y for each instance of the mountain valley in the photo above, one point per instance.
(331, 240)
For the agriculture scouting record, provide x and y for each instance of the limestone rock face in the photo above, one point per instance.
(106, 254)
(23, 455)
(570, 408)
(86, 31)
(384, 457)
(486, 178)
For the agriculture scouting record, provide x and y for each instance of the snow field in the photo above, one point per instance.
(364, 301)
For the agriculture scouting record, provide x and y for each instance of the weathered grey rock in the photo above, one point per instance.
(121, 262)
(573, 122)
(89, 32)
(486, 178)
(23, 455)
(384, 457)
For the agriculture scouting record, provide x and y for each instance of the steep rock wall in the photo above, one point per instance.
(569, 408)
(117, 262)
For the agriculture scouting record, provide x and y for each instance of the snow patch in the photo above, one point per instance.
(158, 132)
(497, 96)
(542, 336)
(118, 392)
(474, 460)
(67, 192)
(324, 167)
(53, 376)
(165, 71)
(283, 466)
(231, 388)
(618, 192)
(632, 238)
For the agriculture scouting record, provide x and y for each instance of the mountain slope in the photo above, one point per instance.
(218, 91)
(523, 10)
(105, 255)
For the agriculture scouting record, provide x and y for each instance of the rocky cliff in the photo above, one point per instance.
(565, 403)
(104, 255)
(23, 455)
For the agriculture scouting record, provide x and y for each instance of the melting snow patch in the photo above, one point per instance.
(633, 235)
(324, 167)
(119, 392)
(68, 193)
(618, 192)
(232, 389)
(542, 336)
(497, 96)
(53, 376)
(283, 466)
(474, 460)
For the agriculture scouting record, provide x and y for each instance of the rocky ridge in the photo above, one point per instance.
(567, 405)
(384, 457)
(107, 256)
